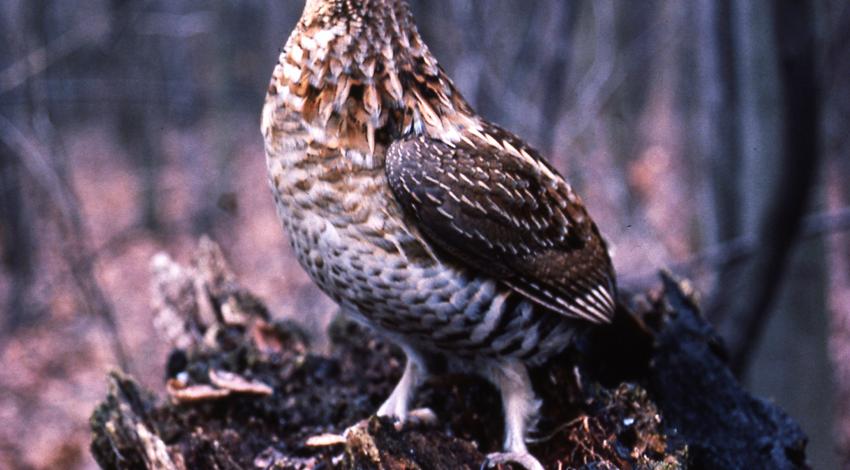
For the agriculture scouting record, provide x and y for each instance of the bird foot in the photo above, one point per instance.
(523, 459)
(418, 418)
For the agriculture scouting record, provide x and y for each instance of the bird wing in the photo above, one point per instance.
(494, 204)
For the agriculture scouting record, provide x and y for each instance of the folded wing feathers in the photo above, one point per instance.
(541, 222)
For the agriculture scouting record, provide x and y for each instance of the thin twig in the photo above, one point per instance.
(38, 60)
(740, 248)
(78, 255)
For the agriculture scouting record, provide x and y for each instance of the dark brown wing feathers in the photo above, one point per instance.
(498, 207)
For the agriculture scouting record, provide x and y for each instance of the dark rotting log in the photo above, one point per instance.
(653, 391)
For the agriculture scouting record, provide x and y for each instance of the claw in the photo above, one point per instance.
(524, 459)
(418, 418)
(396, 405)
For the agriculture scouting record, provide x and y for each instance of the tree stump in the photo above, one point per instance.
(651, 391)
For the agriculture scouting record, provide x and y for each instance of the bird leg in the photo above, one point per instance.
(520, 408)
(398, 403)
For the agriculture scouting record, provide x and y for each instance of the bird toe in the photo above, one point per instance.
(420, 418)
(523, 459)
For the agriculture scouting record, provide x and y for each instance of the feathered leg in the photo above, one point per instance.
(398, 403)
(520, 406)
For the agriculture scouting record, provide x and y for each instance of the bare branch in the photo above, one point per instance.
(38, 60)
(738, 249)
(78, 255)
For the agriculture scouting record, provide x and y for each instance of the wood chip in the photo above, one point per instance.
(193, 393)
(236, 383)
(265, 337)
(325, 440)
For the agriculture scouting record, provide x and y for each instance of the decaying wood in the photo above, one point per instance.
(245, 391)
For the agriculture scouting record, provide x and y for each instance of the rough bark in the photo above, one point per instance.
(244, 391)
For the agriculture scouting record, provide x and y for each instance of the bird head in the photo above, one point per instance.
(331, 12)
(365, 37)
(359, 71)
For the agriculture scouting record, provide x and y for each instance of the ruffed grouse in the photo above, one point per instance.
(440, 230)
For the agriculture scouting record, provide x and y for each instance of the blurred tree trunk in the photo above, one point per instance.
(770, 306)
(236, 30)
(187, 102)
(776, 76)
(790, 364)
(836, 19)
(225, 41)
(713, 128)
(17, 218)
(135, 117)
(16, 239)
(745, 180)
(629, 105)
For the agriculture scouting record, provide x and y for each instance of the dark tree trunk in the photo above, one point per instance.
(713, 125)
(836, 18)
(136, 115)
(769, 42)
(17, 218)
(16, 239)
(789, 194)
